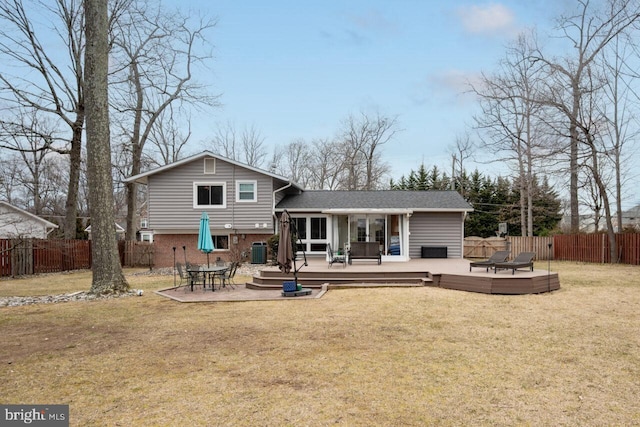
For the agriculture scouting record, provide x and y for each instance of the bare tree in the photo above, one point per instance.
(107, 272)
(43, 81)
(619, 109)
(246, 146)
(295, 161)
(509, 120)
(156, 51)
(253, 146)
(168, 139)
(363, 138)
(461, 151)
(225, 141)
(9, 172)
(588, 31)
(593, 160)
(326, 165)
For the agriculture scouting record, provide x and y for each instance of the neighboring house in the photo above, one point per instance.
(16, 222)
(118, 229)
(244, 204)
(630, 219)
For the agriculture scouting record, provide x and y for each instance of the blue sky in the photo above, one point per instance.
(295, 69)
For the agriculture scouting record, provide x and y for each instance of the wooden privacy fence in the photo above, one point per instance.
(537, 244)
(595, 248)
(19, 257)
(575, 247)
(478, 247)
(136, 254)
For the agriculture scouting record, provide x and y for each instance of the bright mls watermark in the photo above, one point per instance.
(34, 415)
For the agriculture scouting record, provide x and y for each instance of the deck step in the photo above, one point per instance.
(331, 285)
(341, 277)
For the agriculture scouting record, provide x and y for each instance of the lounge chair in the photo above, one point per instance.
(524, 259)
(499, 256)
(335, 258)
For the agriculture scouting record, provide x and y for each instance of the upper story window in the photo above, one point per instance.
(209, 195)
(246, 191)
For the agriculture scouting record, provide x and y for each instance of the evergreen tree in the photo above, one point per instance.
(494, 200)
(546, 209)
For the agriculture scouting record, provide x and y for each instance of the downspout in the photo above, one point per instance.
(273, 207)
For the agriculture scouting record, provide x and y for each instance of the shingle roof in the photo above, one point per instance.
(384, 199)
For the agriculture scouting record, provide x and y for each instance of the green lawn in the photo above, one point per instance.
(385, 356)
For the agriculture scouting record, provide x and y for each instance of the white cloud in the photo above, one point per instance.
(450, 86)
(373, 21)
(486, 19)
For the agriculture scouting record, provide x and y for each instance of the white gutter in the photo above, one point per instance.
(273, 207)
(346, 211)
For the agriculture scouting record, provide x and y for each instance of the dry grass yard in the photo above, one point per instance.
(406, 356)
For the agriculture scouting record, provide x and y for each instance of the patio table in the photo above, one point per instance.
(212, 272)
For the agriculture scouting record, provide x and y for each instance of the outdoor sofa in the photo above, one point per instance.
(365, 250)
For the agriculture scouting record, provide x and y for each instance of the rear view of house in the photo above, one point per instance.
(244, 204)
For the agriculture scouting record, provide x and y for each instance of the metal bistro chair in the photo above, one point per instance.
(184, 277)
(195, 276)
(335, 258)
(217, 275)
(227, 277)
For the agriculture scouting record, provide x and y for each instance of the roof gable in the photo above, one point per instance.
(143, 177)
(4, 206)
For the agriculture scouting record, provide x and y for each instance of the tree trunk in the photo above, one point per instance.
(573, 158)
(136, 156)
(107, 272)
(75, 164)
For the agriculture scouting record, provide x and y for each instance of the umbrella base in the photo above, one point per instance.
(301, 292)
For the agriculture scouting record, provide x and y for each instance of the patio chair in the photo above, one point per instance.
(184, 278)
(499, 256)
(524, 259)
(335, 258)
(227, 277)
(195, 276)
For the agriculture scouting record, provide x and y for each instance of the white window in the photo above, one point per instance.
(221, 242)
(312, 232)
(209, 195)
(146, 236)
(246, 191)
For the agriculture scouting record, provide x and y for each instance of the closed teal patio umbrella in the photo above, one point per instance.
(205, 242)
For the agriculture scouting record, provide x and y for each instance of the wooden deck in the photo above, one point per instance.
(443, 273)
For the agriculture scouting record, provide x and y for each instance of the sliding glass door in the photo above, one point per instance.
(368, 228)
(384, 229)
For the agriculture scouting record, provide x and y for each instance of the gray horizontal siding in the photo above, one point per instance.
(170, 198)
(436, 229)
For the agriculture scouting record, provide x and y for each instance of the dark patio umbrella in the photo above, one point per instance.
(205, 242)
(285, 249)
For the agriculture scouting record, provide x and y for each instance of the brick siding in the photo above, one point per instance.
(164, 244)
